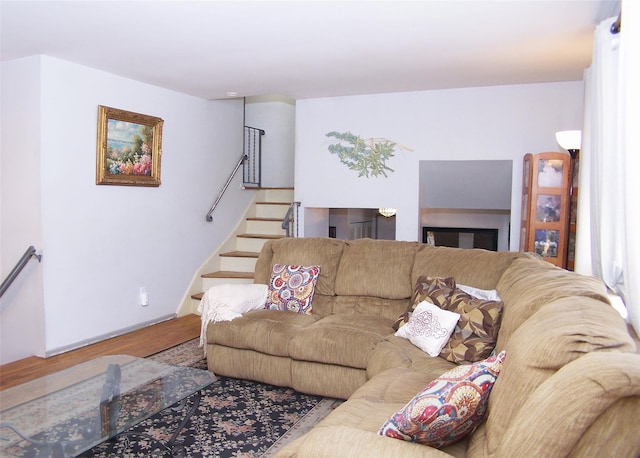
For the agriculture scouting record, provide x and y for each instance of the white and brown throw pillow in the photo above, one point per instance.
(429, 328)
(475, 335)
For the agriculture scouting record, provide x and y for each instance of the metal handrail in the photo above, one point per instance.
(289, 218)
(224, 188)
(31, 252)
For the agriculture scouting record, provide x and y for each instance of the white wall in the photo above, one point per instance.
(100, 244)
(276, 116)
(495, 123)
(22, 327)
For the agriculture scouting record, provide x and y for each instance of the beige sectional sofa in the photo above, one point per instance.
(569, 385)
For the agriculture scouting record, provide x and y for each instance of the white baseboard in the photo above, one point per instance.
(117, 333)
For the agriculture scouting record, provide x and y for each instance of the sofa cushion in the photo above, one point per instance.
(396, 386)
(342, 339)
(380, 268)
(447, 409)
(291, 288)
(555, 335)
(396, 352)
(473, 267)
(266, 331)
(530, 283)
(314, 251)
(328, 380)
(429, 327)
(369, 305)
(324, 441)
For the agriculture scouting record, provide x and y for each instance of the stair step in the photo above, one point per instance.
(241, 254)
(272, 227)
(223, 278)
(228, 274)
(254, 242)
(271, 209)
(239, 261)
(261, 236)
(277, 194)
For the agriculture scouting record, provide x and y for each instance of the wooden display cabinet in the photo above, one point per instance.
(545, 206)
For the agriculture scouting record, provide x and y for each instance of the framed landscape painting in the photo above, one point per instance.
(129, 148)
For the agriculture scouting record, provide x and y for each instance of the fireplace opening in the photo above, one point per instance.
(461, 237)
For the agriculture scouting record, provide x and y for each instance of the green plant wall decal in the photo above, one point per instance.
(367, 156)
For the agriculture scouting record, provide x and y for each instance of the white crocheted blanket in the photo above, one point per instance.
(229, 301)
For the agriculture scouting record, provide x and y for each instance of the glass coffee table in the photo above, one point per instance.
(68, 412)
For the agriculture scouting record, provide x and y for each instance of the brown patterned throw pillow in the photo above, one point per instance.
(425, 288)
(475, 335)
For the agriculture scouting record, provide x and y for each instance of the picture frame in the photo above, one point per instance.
(546, 242)
(550, 173)
(548, 208)
(129, 148)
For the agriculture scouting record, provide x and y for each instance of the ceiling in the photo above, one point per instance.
(307, 49)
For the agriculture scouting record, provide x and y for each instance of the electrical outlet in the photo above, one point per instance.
(144, 297)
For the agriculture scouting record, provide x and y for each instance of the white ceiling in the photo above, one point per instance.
(306, 49)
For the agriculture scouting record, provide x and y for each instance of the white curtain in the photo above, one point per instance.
(630, 83)
(605, 220)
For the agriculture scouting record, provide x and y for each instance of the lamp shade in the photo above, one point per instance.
(569, 139)
(387, 212)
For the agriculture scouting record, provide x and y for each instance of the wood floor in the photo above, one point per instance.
(140, 343)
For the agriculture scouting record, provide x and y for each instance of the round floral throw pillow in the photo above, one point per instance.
(291, 288)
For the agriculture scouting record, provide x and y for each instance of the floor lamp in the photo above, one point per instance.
(570, 140)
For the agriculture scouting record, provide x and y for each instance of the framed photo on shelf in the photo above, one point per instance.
(550, 173)
(129, 148)
(546, 243)
(548, 208)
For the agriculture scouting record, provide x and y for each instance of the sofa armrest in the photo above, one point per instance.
(345, 441)
(590, 406)
(262, 272)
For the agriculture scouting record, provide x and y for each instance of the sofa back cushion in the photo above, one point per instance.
(380, 268)
(479, 268)
(558, 333)
(313, 251)
(530, 283)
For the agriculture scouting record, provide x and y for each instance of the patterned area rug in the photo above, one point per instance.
(235, 418)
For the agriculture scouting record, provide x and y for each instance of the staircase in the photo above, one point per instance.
(235, 261)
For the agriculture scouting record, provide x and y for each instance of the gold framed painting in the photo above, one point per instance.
(129, 148)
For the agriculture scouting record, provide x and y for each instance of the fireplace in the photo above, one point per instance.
(461, 237)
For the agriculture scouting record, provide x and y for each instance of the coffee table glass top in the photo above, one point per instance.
(71, 411)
